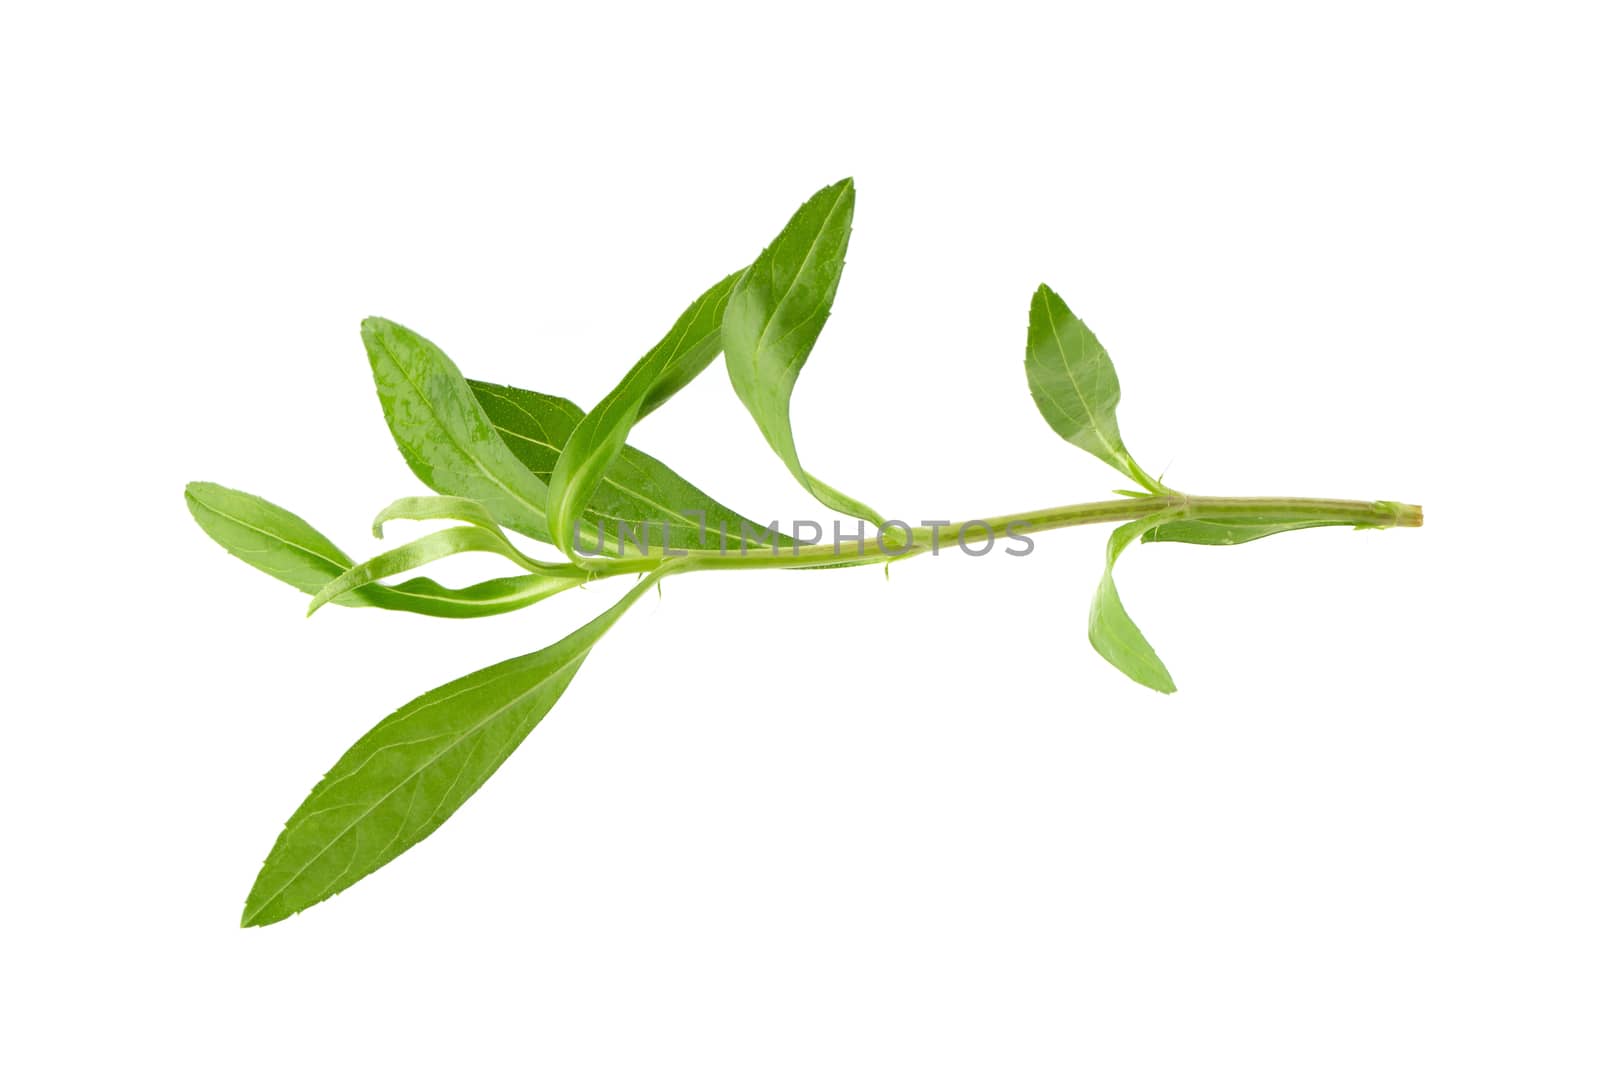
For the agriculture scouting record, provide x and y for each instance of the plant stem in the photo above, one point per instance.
(1378, 514)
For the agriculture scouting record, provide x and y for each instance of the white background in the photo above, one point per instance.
(820, 817)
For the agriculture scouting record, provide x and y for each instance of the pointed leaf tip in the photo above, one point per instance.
(1112, 633)
(773, 318)
(373, 326)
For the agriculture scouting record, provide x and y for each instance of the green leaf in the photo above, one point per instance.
(1219, 532)
(400, 781)
(435, 509)
(444, 434)
(447, 542)
(1112, 632)
(266, 536)
(694, 339)
(1075, 386)
(422, 595)
(282, 545)
(690, 360)
(635, 488)
(774, 314)
(459, 509)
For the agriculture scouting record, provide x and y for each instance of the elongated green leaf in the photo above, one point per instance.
(400, 781)
(636, 488)
(281, 544)
(422, 595)
(444, 434)
(435, 546)
(774, 315)
(1218, 532)
(1074, 384)
(1112, 632)
(435, 509)
(269, 538)
(690, 360)
(693, 340)
(460, 509)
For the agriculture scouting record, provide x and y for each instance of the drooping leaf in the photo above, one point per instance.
(434, 546)
(1075, 386)
(689, 345)
(1112, 632)
(636, 488)
(774, 315)
(444, 434)
(400, 781)
(283, 545)
(1220, 532)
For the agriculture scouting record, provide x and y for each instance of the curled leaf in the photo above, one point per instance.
(446, 542)
(1113, 633)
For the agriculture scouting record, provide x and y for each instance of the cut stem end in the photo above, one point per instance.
(1406, 515)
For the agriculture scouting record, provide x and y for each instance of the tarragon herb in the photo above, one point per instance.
(503, 458)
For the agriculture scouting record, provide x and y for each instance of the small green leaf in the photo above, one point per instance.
(1075, 386)
(400, 781)
(281, 544)
(269, 538)
(774, 315)
(694, 339)
(1219, 532)
(1112, 632)
(446, 542)
(444, 434)
(636, 488)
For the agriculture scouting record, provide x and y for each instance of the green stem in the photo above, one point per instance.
(1378, 514)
